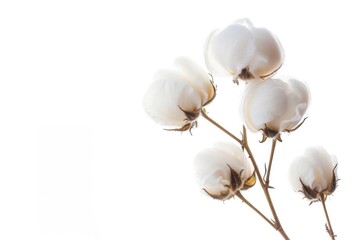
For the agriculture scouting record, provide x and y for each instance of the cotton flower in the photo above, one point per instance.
(176, 96)
(222, 170)
(243, 51)
(314, 173)
(274, 105)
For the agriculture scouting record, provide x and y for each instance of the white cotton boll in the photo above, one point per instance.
(177, 95)
(314, 173)
(229, 51)
(243, 51)
(165, 97)
(274, 104)
(212, 169)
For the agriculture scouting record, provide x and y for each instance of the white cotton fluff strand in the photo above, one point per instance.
(314, 173)
(243, 51)
(176, 96)
(274, 105)
(222, 170)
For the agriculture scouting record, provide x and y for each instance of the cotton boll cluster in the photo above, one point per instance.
(241, 50)
(269, 103)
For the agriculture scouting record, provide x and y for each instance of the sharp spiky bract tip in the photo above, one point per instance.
(297, 127)
(264, 138)
(187, 127)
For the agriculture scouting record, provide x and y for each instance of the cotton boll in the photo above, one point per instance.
(176, 96)
(166, 100)
(274, 105)
(217, 167)
(314, 173)
(234, 47)
(243, 51)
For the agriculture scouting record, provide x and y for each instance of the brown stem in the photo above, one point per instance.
(239, 195)
(204, 114)
(245, 146)
(328, 226)
(244, 136)
(267, 180)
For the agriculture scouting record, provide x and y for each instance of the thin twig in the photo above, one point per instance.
(328, 226)
(267, 180)
(204, 114)
(239, 195)
(244, 136)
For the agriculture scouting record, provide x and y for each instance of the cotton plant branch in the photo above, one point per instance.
(244, 143)
(178, 97)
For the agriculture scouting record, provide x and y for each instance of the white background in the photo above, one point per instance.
(79, 159)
